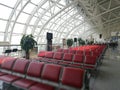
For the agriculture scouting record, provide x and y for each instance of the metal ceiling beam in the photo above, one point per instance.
(73, 3)
(93, 26)
(32, 14)
(37, 21)
(10, 18)
(17, 18)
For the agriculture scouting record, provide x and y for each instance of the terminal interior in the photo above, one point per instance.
(59, 44)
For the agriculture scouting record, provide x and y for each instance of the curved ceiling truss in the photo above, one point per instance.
(63, 18)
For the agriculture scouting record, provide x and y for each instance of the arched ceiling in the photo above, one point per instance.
(63, 18)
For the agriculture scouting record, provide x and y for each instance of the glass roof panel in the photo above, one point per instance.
(29, 30)
(2, 25)
(1, 36)
(61, 25)
(45, 5)
(62, 2)
(22, 18)
(10, 3)
(15, 14)
(29, 8)
(16, 38)
(36, 1)
(33, 20)
(45, 17)
(5, 12)
(18, 28)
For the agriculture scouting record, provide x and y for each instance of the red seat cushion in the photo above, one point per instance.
(65, 63)
(23, 83)
(20, 66)
(40, 86)
(68, 57)
(73, 77)
(2, 73)
(9, 78)
(76, 65)
(51, 72)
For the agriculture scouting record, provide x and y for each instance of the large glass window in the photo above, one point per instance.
(2, 25)
(1, 36)
(18, 28)
(5, 12)
(10, 3)
(29, 8)
(39, 17)
(22, 18)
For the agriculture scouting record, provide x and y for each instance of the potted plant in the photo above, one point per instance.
(69, 42)
(27, 43)
(81, 41)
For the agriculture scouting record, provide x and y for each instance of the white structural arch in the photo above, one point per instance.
(63, 18)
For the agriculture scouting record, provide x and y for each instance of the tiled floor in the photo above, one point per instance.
(109, 74)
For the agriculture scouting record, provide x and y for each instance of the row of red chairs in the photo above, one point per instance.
(84, 50)
(68, 59)
(34, 75)
(72, 57)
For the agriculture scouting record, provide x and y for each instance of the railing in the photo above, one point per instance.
(20, 53)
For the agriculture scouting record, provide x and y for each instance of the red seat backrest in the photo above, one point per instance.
(68, 57)
(58, 55)
(78, 58)
(72, 51)
(79, 52)
(42, 53)
(20, 66)
(49, 54)
(59, 50)
(90, 59)
(51, 72)
(65, 50)
(73, 77)
(1, 59)
(35, 69)
(8, 63)
(88, 52)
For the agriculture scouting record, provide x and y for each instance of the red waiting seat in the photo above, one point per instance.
(67, 59)
(59, 50)
(72, 51)
(78, 60)
(42, 53)
(18, 67)
(49, 55)
(88, 52)
(34, 70)
(57, 57)
(90, 62)
(41, 86)
(51, 73)
(72, 77)
(7, 65)
(65, 50)
(79, 52)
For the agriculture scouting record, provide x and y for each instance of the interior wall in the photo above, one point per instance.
(111, 28)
